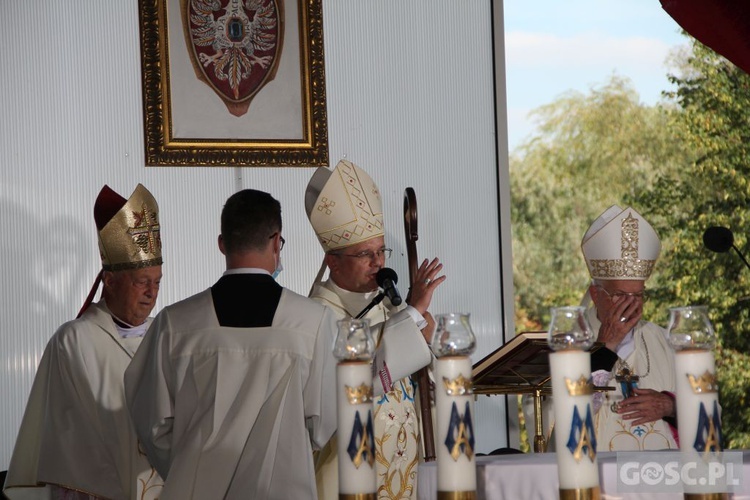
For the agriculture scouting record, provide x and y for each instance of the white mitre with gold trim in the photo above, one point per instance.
(344, 206)
(620, 245)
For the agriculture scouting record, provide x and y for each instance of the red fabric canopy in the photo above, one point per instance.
(722, 25)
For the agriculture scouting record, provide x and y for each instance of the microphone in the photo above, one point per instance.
(720, 239)
(387, 279)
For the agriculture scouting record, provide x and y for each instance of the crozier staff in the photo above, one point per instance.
(345, 210)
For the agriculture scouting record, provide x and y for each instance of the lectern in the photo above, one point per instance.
(520, 366)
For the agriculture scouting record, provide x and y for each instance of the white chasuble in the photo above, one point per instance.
(651, 361)
(401, 351)
(76, 433)
(234, 413)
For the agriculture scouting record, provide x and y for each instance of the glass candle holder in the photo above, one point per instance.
(569, 329)
(689, 328)
(354, 340)
(453, 335)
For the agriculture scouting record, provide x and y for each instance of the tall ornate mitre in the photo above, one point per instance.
(620, 245)
(344, 206)
(129, 233)
(129, 230)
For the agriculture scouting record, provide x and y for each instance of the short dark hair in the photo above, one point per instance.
(248, 220)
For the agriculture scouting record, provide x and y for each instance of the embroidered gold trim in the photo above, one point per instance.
(629, 265)
(133, 265)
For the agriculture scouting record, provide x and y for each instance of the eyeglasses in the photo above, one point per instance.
(638, 295)
(146, 283)
(367, 254)
(281, 238)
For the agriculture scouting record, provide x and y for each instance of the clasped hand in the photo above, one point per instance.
(646, 406)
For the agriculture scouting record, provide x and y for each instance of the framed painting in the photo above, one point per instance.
(233, 82)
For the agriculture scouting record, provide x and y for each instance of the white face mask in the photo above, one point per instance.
(278, 270)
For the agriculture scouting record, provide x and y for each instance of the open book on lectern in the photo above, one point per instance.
(519, 366)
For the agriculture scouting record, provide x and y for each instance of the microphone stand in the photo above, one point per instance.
(375, 301)
(740, 254)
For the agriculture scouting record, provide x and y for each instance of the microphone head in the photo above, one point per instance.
(718, 239)
(386, 273)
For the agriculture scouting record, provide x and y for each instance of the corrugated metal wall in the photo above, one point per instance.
(410, 99)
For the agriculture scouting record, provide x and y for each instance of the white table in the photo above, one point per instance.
(532, 476)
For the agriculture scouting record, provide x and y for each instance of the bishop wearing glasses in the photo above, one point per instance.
(621, 249)
(345, 210)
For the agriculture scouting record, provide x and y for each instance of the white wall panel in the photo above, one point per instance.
(415, 107)
(410, 99)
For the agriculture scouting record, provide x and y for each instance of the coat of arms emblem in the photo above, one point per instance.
(234, 45)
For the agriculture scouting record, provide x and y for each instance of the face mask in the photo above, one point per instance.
(278, 270)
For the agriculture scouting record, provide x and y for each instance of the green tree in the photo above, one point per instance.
(713, 98)
(683, 164)
(591, 151)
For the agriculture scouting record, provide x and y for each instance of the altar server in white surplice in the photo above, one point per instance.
(621, 249)
(76, 439)
(232, 385)
(345, 210)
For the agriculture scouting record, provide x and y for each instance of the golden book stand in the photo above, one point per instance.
(520, 366)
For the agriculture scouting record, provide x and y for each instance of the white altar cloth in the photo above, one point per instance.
(533, 476)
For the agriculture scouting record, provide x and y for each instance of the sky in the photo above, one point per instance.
(554, 46)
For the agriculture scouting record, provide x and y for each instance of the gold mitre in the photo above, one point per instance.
(344, 206)
(129, 230)
(620, 245)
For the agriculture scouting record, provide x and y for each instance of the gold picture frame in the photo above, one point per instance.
(188, 122)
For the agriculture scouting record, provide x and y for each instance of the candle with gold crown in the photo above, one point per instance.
(570, 337)
(692, 337)
(354, 348)
(452, 343)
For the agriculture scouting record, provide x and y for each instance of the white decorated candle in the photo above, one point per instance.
(698, 400)
(575, 437)
(356, 444)
(454, 408)
(698, 414)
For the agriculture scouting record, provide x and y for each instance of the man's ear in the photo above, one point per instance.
(595, 293)
(107, 278)
(332, 262)
(220, 242)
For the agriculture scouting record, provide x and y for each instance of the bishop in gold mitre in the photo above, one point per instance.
(76, 439)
